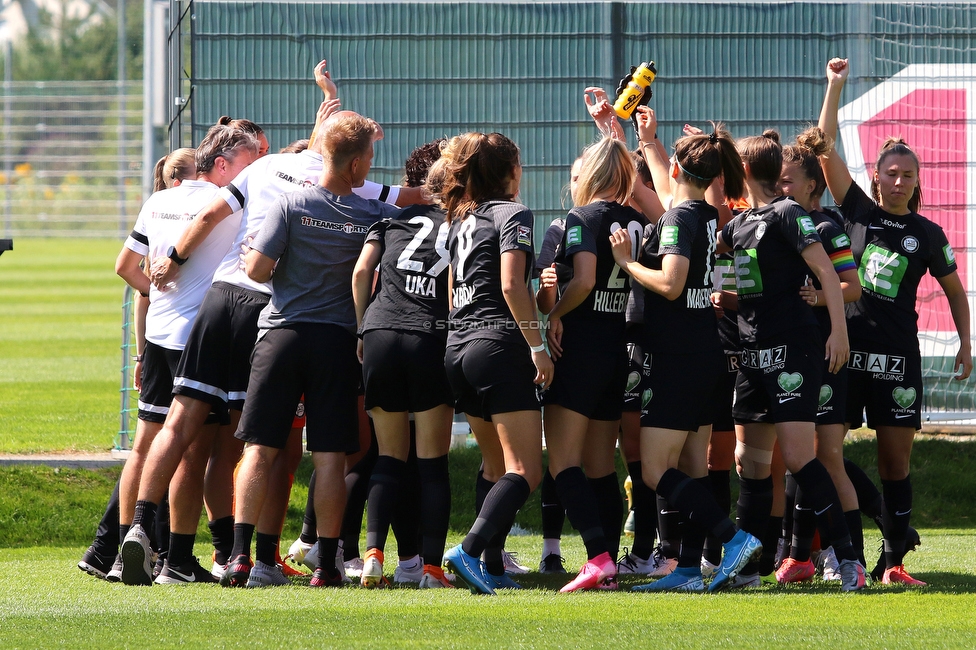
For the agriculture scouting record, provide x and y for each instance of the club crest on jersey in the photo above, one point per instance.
(760, 230)
(524, 235)
(910, 244)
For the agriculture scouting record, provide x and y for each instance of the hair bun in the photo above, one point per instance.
(771, 134)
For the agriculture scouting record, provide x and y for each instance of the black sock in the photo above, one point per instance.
(553, 513)
(693, 536)
(357, 488)
(689, 497)
(406, 515)
(266, 548)
(494, 562)
(788, 512)
(868, 497)
(435, 506)
(610, 507)
(767, 561)
(180, 548)
(856, 528)
(752, 510)
(123, 531)
(107, 541)
(328, 547)
(897, 515)
(721, 488)
(243, 533)
(222, 532)
(669, 525)
(819, 492)
(161, 529)
(581, 509)
(497, 513)
(145, 516)
(481, 489)
(645, 512)
(804, 527)
(382, 500)
(309, 533)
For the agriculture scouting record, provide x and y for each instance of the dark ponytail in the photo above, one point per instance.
(764, 155)
(703, 157)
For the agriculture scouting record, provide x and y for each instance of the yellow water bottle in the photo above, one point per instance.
(641, 79)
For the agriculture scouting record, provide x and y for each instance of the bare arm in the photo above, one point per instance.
(837, 347)
(412, 196)
(648, 202)
(127, 266)
(163, 269)
(668, 282)
(140, 312)
(834, 168)
(546, 296)
(520, 303)
(329, 92)
(655, 155)
(850, 288)
(362, 277)
(259, 267)
(959, 307)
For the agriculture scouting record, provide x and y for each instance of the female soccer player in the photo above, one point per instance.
(495, 353)
(775, 246)
(586, 327)
(676, 270)
(401, 325)
(893, 247)
(802, 179)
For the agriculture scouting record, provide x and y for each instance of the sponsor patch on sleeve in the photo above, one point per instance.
(574, 236)
(841, 241)
(669, 236)
(950, 255)
(806, 225)
(524, 235)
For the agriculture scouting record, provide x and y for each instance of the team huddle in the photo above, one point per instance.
(700, 307)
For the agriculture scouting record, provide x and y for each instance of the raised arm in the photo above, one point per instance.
(835, 170)
(330, 94)
(601, 110)
(655, 155)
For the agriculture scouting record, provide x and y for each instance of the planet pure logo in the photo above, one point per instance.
(632, 380)
(789, 382)
(646, 397)
(826, 392)
(904, 397)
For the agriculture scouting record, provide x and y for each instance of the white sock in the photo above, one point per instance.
(410, 563)
(550, 547)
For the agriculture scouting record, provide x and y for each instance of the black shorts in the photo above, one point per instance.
(779, 379)
(832, 403)
(638, 369)
(885, 382)
(723, 408)
(158, 366)
(404, 371)
(317, 360)
(216, 362)
(684, 390)
(489, 377)
(591, 375)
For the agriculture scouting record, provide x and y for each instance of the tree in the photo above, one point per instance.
(61, 47)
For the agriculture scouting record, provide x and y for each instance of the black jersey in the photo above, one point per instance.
(411, 293)
(766, 248)
(728, 325)
(686, 324)
(892, 253)
(477, 242)
(552, 244)
(838, 247)
(588, 229)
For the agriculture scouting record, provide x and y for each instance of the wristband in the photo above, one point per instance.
(137, 358)
(538, 348)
